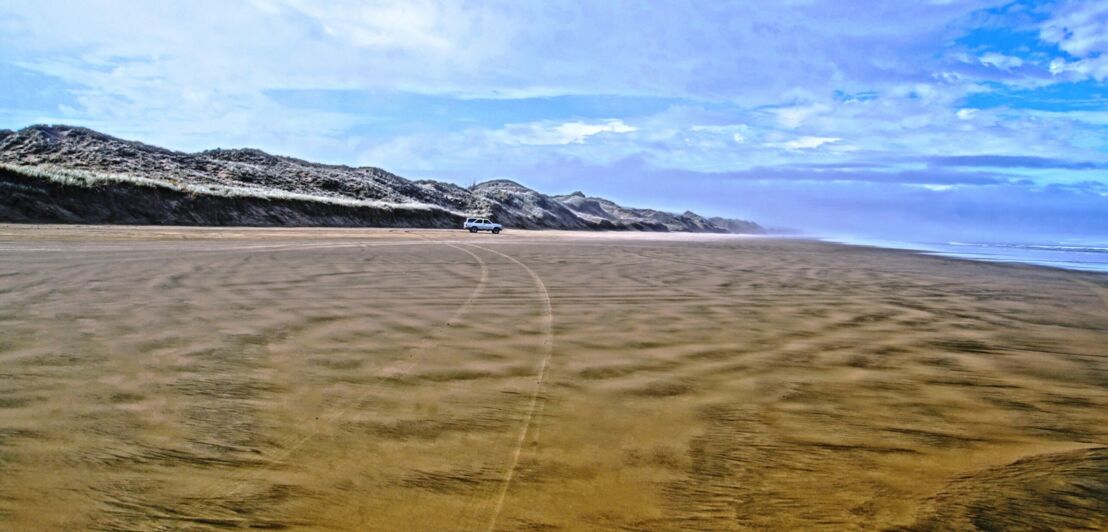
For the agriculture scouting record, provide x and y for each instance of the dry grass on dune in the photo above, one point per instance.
(88, 179)
(161, 378)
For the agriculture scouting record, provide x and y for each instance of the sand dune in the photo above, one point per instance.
(164, 378)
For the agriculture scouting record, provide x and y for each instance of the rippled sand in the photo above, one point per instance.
(160, 378)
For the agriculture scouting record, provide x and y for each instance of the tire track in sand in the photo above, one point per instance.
(547, 351)
(397, 368)
(1096, 289)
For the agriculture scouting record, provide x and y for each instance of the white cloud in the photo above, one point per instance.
(1081, 30)
(1057, 66)
(1093, 67)
(494, 48)
(1001, 61)
(793, 117)
(546, 133)
(737, 132)
(1078, 28)
(412, 25)
(808, 143)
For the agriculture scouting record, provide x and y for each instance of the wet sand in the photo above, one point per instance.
(169, 378)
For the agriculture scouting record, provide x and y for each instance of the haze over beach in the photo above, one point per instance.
(483, 265)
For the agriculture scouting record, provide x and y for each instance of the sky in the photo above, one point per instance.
(935, 121)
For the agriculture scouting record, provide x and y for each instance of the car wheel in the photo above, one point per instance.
(496, 231)
(472, 229)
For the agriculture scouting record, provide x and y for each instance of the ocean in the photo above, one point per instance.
(1072, 255)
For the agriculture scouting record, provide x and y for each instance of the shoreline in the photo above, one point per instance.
(22, 231)
(937, 250)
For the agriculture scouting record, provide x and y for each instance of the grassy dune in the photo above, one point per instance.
(158, 378)
(50, 194)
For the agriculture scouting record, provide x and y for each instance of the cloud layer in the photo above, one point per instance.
(923, 111)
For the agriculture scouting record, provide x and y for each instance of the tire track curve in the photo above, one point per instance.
(404, 364)
(1100, 291)
(547, 326)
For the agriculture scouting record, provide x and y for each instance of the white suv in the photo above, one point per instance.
(481, 224)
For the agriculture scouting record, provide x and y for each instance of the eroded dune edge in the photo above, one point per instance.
(155, 378)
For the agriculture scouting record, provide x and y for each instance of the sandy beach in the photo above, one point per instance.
(164, 378)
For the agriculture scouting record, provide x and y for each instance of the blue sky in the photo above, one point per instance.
(942, 120)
